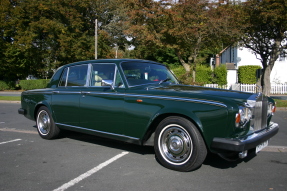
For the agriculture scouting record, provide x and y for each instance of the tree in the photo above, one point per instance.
(38, 36)
(180, 26)
(266, 34)
(190, 28)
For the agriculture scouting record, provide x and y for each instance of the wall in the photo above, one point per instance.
(279, 71)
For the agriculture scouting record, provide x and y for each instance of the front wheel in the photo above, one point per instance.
(45, 124)
(179, 145)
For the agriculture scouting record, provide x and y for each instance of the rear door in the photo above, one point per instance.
(66, 98)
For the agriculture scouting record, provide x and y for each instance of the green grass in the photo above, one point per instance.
(10, 98)
(280, 103)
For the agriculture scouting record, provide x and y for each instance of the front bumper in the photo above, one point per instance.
(246, 143)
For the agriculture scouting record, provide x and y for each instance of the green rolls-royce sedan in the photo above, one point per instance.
(142, 102)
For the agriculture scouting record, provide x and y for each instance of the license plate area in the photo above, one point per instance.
(261, 146)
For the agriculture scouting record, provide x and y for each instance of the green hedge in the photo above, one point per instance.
(33, 84)
(7, 85)
(3, 85)
(203, 74)
(220, 75)
(247, 74)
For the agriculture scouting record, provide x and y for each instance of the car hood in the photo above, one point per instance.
(204, 92)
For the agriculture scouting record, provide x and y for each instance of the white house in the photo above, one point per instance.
(234, 57)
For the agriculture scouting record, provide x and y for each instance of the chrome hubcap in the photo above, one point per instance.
(175, 144)
(43, 122)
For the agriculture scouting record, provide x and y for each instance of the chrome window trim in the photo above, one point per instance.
(67, 77)
(44, 92)
(88, 78)
(115, 77)
(97, 131)
(70, 92)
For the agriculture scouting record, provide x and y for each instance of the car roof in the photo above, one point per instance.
(110, 61)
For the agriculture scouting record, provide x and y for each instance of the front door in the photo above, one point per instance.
(102, 103)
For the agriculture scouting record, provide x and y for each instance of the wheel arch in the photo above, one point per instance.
(148, 138)
(40, 104)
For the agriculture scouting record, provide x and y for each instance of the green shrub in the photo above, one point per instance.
(7, 85)
(203, 74)
(178, 70)
(3, 85)
(247, 74)
(220, 74)
(33, 84)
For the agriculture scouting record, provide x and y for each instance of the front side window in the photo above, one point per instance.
(74, 76)
(102, 74)
(140, 73)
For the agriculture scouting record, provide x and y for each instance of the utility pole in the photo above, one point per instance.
(96, 39)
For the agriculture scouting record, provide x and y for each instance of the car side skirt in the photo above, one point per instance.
(119, 137)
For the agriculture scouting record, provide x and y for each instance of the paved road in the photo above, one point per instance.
(83, 162)
(10, 93)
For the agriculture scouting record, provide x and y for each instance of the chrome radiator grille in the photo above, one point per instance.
(260, 114)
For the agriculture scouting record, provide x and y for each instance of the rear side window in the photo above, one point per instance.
(74, 76)
(63, 80)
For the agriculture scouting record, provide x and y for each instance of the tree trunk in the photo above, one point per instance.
(267, 68)
(265, 81)
(185, 65)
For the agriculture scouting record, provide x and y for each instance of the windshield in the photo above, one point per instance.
(140, 73)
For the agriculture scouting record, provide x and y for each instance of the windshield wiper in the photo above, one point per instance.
(165, 80)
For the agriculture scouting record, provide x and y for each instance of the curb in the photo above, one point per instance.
(5, 101)
(281, 109)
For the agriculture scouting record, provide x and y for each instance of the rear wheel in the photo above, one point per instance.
(179, 144)
(45, 124)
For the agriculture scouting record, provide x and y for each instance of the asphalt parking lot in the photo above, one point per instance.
(83, 162)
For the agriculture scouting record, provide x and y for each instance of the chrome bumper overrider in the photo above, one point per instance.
(246, 143)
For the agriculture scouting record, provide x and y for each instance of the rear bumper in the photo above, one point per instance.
(22, 111)
(246, 143)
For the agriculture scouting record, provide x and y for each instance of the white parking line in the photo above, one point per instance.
(90, 172)
(18, 131)
(10, 141)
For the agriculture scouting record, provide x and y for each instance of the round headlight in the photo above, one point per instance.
(243, 116)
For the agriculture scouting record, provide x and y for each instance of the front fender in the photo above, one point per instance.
(210, 120)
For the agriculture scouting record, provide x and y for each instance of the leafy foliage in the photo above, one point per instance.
(7, 85)
(33, 84)
(247, 74)
(3, 85)
(265, 33)
(220, 74)
(203, 74)
(38, 36)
